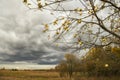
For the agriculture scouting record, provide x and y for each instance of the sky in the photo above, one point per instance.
(21, 37)
(22, 41)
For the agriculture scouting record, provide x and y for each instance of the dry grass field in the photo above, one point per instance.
(43, 75)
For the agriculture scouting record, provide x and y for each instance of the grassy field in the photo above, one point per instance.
(43, 75)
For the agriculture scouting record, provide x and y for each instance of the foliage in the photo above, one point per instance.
(81, 23)
(103, 61)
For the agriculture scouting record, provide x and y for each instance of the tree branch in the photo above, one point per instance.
(111, 4)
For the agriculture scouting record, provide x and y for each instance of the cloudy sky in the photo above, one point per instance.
(21, 37)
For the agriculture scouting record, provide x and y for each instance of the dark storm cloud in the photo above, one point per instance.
(41, 56)
(21, 37)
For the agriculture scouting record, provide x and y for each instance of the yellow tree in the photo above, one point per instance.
(103, 61)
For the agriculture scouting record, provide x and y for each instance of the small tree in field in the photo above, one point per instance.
(81, 24)
(68, 66)
(61, 68)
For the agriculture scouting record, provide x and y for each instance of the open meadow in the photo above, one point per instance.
(43, 75)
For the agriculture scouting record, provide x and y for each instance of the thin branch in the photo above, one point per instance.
(111, 4)
(101, 24)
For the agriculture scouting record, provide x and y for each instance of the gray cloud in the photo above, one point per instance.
(21, 37)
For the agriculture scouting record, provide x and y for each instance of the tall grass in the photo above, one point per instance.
(45, 75)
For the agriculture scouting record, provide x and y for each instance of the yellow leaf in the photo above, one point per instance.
(96, 8)
(78, 9)
(40, 5)
(25, 1)
(46, 26)
(44, 30)
(57, 33)
(80, 43)
(55, 22)
(79, 21)
(104, 40)
(75, 35)
(46, 3)
(38, 0)
(90, 11)
(66, 28)
(106, 65)
(80, 13)
(59, 28)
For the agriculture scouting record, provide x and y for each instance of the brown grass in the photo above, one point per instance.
(44, 75)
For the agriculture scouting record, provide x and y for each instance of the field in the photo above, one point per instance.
(43, 75)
